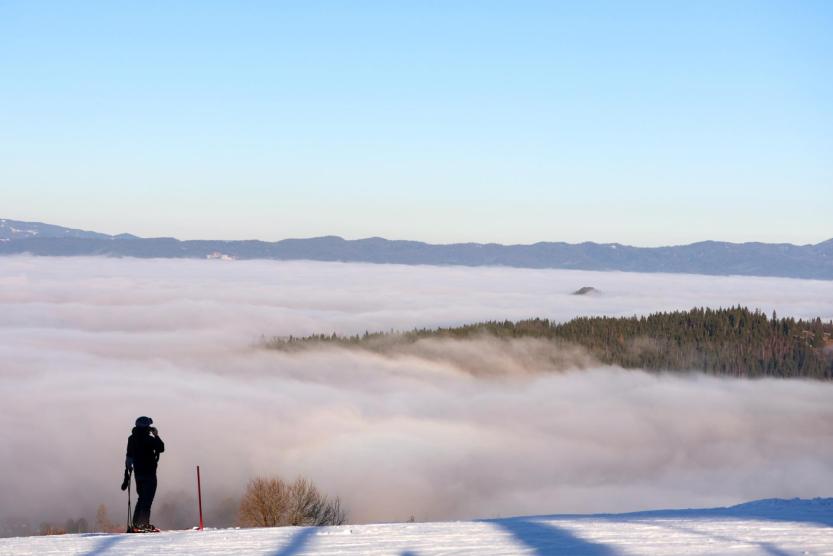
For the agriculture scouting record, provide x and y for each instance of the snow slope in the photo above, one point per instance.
(765, 527)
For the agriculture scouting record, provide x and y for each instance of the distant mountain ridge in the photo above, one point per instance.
(15, 229)
(705, 257)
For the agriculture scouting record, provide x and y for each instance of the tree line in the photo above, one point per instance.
(733, 341)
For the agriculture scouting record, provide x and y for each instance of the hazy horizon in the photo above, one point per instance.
(114, 233)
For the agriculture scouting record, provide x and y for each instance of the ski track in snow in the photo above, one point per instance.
(767, 527)
(575, 537)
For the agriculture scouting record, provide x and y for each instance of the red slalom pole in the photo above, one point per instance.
(199, 497)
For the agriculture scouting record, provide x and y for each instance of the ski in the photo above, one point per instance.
(150, 529)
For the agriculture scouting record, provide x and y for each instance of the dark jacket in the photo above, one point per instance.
(143, 451)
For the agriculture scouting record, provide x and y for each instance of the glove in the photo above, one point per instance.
(126, 481)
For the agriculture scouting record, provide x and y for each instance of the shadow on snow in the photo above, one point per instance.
(546, 538)
(105, 544)
(817, 511)
(297, 543)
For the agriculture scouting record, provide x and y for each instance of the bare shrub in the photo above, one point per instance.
(47, 528)
(76, 526)
(274, 503)
(102, 520)
(264, 503)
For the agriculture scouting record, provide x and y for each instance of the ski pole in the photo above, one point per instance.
(129, 475)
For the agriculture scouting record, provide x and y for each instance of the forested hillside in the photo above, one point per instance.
(735, 341)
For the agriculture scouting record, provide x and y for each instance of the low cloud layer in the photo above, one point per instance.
(440, 430)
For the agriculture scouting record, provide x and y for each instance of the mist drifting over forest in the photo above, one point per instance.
(88, 344)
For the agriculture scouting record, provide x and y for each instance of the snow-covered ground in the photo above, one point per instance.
(765, 527)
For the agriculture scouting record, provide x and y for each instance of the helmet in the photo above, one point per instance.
(143, 422)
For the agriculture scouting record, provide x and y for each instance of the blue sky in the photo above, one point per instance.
(640, 122)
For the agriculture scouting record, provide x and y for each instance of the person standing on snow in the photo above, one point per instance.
(143, 449)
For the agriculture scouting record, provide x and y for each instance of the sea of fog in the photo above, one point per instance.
(89, 344)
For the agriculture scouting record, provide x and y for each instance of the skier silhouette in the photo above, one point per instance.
(143, 449)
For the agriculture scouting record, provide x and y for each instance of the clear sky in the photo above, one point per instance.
(640, 122)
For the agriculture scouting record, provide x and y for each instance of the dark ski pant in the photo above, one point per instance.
(146, 489)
